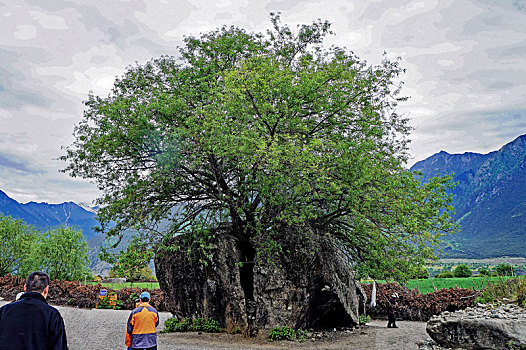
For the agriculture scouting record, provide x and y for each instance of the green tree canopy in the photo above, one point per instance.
(484, 271)
(132, 262)
(17, 239)
(420, 272)
(462, 270)
(61, 252)
(504, 269)
(266, 133)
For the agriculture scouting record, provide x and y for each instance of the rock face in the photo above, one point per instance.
(247, 292)
(483, 327)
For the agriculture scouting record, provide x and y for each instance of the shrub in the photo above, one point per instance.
(420, 273)
(445, 274)
(174, 325)
(504, 270)
(462, 271)
(362, 319)
(104, 303)
(282, 333)
(301, 335)
(484, 271)
(205, 325)
(110, 302)
(484, 299)
(198, 325)
(513, 289)
(119, 305)
(287, 333)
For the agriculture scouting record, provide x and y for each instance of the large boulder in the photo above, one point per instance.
(482, 327)
(300, 287)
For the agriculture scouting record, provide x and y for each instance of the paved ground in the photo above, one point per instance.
(104, 329)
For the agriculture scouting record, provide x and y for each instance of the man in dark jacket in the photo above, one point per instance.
(391, 309)
(30, 323)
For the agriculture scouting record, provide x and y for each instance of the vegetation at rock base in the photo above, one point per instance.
(266, 134)
(61, 252)
(287, 333)
(364, 319)
(191, 325)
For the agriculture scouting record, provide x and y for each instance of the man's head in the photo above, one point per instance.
(38, 282)
(145, 296)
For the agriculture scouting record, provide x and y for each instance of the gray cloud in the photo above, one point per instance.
(480, 132)
(13, 93)
(282, 5)
(507, 52)
(16, 163)
(465, 60)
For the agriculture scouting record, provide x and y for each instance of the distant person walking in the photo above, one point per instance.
(141, 331)
(391, 311)
(30, 323)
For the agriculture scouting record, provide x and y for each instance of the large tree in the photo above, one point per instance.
(267, 134)
(132, 262)
(62, 252)
(17, 240)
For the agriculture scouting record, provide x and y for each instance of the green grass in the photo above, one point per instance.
(116, 286)
(426, 285)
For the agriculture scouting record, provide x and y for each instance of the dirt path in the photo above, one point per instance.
(104, 329)
(374, 336)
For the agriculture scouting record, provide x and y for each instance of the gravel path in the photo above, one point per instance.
(104, 329)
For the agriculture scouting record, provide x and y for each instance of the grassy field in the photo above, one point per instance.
(116, 286)
(429, 285)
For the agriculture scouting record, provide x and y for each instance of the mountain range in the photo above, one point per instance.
(45, 216)
(489, 200)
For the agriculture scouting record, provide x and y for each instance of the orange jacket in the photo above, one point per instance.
(141, 329)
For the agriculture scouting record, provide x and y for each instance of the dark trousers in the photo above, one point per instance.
(152, 348)
(391, 318)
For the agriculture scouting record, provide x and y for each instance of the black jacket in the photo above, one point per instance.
(31, 324)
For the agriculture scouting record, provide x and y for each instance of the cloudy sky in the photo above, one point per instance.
(465, 61)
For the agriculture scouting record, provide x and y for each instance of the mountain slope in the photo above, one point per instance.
(489, 200)
(44, 215)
